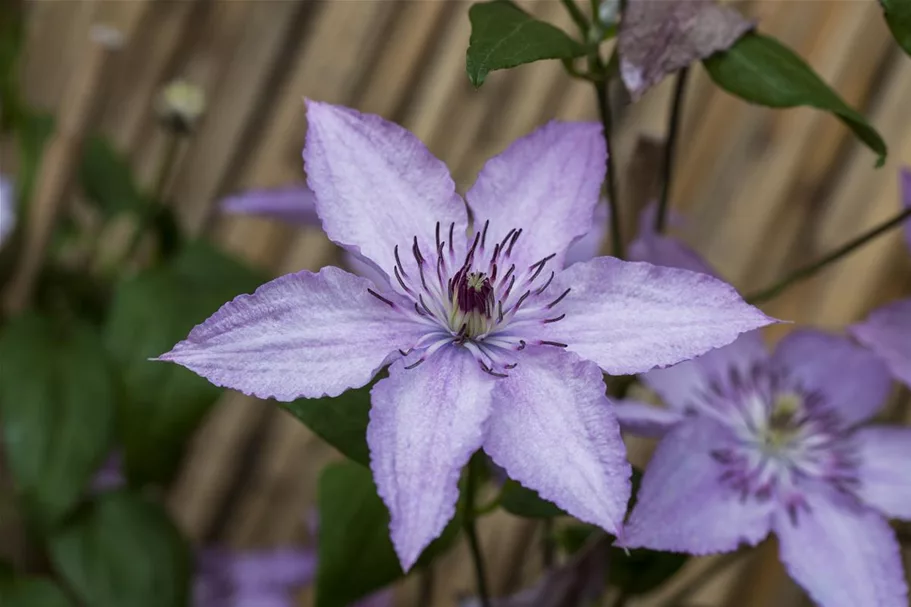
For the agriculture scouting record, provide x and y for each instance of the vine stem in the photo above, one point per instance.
(810, 269)
(673, 128)
(471, 531)
(704, 577)
(607, 123)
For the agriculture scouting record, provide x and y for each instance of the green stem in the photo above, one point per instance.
(468, 516)
(670, 145)
(705, 576)
(577, 15)
(810, 269)
(165, 167)
(607, 123)
(426, 583)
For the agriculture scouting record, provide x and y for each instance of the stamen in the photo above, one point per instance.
(500, 311)
(509, 272)
(506, 240)
(380, 297)
(451, 228)
(559, 299)
(398, 276)
(484, 233)
(553, 343)
(439, 243)
(424, 304)
(511, 366)
(413, 365)
(418, 309)
(508, 289)
(490, 371)
(416, 250)
(515, 237)
(546, 284)
(521, 299)
(550, 320)
(398, 262)
(540, 265)
(522, 345)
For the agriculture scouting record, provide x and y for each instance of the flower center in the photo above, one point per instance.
(782, 435)
(486, 301)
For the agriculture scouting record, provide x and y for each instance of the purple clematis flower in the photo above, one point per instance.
(754, 443)
(7, 208)
(887, 331)
(491, 343)
(757, 444)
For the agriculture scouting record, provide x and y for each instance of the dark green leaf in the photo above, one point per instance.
(898, 16)
(341, 421)
(356, 556)
(151, 312)
(107, 178)
(122, 550)
(642, 571)
(504, 36)
(761, 70)
(57, 401)
(18, 591)
(521, 501)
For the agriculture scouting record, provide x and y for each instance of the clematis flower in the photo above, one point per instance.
(758, 444)
(7, 208)
(887, 331)
(490, 342)
(658, 38)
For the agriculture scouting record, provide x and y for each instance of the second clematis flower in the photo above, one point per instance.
(489, 341)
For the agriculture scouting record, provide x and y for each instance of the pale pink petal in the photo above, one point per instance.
(630, 317)
(554, 431)
(589, 246)
(425, 424)
(294, 204)
(683, 506)
(680, 386)
(377, 185)
(851, 380)
(645, 419)
(658, 37)
(546, 184)
(887, 331)
(300, 335)
(885, 470)
(842, 553)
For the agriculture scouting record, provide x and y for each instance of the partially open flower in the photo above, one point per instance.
(180, 105)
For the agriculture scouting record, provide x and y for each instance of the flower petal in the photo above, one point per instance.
(295, 205)
(553, 430)
(630, 317)
(657, 38)
(277, 569)
(853, 382)
(377, 185)
(843, 554)
(682, 505)
(669, 252)
(589, 246)
(425, 424)
(885, 470)
(548, 184)
(300, 335)
(887, 331)
(681, 385)
(7, 208)
(643, 419)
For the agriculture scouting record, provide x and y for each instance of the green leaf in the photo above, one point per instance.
(642, 571)
(356, 556)
(16, 591)
(761, 70)
(150, 313)
(340, 421)
(57, 401)
(107, 178)
(123, 550)
(898, 16)
(504, 36)
(520, 501)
